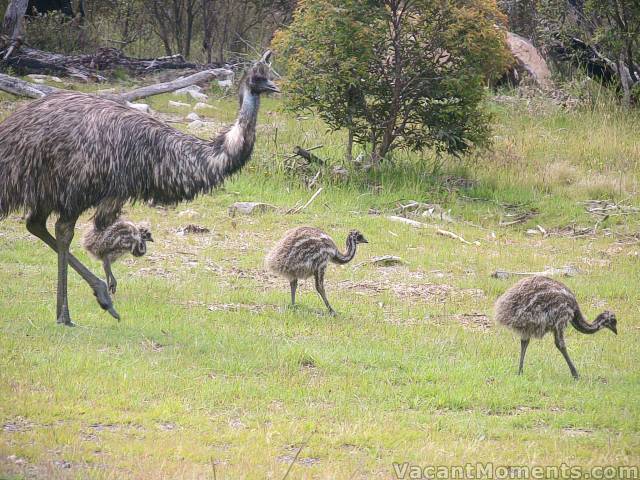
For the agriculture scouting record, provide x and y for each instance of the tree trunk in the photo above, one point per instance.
(189, 33)
(625, 81)
(13, 24)
(350, 145)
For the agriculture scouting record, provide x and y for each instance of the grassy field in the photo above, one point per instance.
(211, 375)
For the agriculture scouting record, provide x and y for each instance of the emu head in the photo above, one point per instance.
(258, 79)
(608, 320)
(357, 237)
(139, 246)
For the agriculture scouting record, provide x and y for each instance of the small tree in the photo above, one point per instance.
(396, 73)
(618, 32)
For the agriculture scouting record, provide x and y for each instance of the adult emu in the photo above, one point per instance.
(69, 152)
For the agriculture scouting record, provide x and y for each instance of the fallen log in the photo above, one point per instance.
(22, 88)
(92, 66)
(158, 88)
(249, 208)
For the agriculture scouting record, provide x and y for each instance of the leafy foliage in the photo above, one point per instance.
(603, 35)
(396, 73)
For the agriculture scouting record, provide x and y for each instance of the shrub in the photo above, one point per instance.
(396, 73)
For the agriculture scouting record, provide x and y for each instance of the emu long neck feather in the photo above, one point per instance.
(69, 152)
(580, 324)
(349, 254)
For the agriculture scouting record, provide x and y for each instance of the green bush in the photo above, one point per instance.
(395, 74)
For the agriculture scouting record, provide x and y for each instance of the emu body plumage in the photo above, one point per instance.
(537, 305)
(69, 152)
(113, 242)
(306, 251)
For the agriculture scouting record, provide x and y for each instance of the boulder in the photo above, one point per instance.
(201, 106)
(201, 97)
(249, 208)
(529, 61)
(141, 107)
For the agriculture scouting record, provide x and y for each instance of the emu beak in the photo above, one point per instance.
(150, 239)
(271, 87)
(614, 329)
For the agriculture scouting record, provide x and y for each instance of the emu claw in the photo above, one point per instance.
(111, 285)
(65, 319)
(104, 300)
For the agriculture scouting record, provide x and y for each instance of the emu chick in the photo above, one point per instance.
(306, 251)
(537, 305)
(114, 241)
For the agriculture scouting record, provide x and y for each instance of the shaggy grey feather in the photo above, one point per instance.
(69, 152)
(537, 305)
(113, 242)
(306, 251)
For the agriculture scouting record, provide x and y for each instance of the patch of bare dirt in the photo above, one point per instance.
(293, 455)
(474, 321)
(471, 321)
(429, 292)
(236, 307)
(576, 432)
(17, 425)
(151, 345)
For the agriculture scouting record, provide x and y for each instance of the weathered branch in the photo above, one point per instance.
(307, 155)
(567, 271)
(439, 231)
(158, 88)
(19, 87)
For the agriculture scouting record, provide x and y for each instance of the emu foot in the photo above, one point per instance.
(65, 319)
(112, 284)
(104, 300)
(332, 312)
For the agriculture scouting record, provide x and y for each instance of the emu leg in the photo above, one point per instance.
(294, 286)
(111, 280)
(64, 235)
(524, 343)
(319, 276)
(559, 339)
(37, 225)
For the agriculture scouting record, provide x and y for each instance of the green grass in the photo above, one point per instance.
(209, 366)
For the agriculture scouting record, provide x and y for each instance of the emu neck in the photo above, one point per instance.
(581, 324)
(349, 254)
(249, 105)
(237, 142)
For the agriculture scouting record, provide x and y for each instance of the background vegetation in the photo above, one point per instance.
(210, 375)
